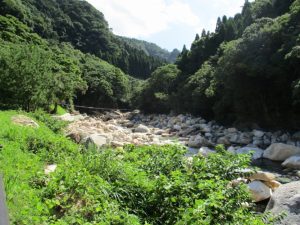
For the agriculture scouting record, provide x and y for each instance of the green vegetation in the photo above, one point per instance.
(247, 71)
(134, 185)
(152, 49)
(79, 23)
(57, 51)
(36, 73)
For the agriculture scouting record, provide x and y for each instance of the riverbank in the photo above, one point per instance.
(49, 179)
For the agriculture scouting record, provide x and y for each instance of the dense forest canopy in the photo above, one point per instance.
(245, 72)
(79, 23)
(152, 49)
(37, 73)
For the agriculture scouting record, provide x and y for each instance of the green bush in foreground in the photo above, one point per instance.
(134, 185)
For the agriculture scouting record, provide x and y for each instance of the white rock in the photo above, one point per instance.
(280, 152)
(286, 199)
(50, 169)
(96, 139)
(206, 151)
(258, 133)
(198, 141)
(232, 130)
(292, 162)
(177, 127)
(142, 129)
(205, 128)
(257, 152)
(259, 191)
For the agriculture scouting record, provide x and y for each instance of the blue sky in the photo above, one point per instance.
(168, 23)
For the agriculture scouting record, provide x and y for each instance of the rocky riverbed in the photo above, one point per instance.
(116, 129)
(133, 127)
(276, 152)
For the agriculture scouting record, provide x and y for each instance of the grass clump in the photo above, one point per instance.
(134, 185)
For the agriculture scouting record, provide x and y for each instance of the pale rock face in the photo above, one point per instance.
(263, 176)
(259, 191)
(246, 150)
(292, 162)
(286, 199)
(280, 152)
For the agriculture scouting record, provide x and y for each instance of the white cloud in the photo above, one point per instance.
(137, 18)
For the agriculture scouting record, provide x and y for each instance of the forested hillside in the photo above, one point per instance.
(152, 49)
(79, 23)
(36, 73)
(246, 72)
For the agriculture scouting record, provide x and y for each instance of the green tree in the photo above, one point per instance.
(157, 94)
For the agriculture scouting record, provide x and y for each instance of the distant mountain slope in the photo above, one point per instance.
(152, 49)
(80, 24)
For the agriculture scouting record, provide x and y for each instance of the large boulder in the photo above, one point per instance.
(97, 140)
(280, 152)
(259, 191)
(198, 141)
(205, 151)
(292, 162)
(286, 199)
(258, 133)
(244, 139)
(257, 152)
(141, 129)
